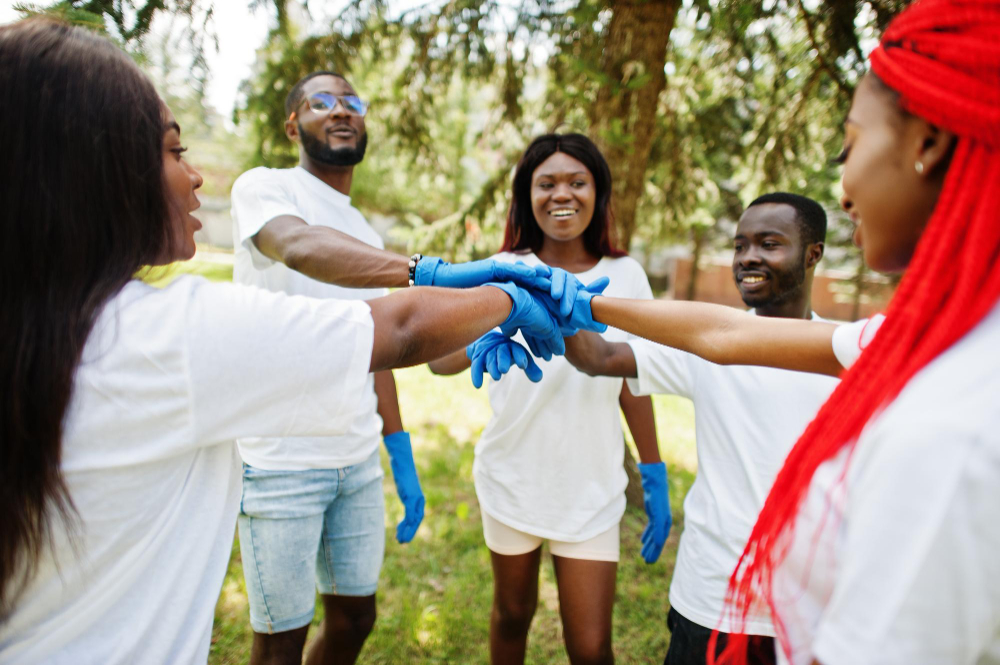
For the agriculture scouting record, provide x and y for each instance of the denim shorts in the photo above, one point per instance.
(303, 531)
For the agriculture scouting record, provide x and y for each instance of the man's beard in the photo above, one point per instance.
(321, 152)
(787, 285)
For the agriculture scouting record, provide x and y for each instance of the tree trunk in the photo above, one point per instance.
(699, 245)
(624, 115)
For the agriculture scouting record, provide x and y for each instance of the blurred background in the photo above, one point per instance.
(698, 105)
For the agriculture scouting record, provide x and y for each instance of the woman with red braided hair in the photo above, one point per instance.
(879, 540)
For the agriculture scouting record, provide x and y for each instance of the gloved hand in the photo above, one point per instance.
(533, 320)
(404, 473)
(495, 353)
(657, 503)
(579, 316)
(431, 271)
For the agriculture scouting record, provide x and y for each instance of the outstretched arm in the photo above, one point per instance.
(420, 324)
(330, 256)
(453, 363)
(593, 355)
(723, 335)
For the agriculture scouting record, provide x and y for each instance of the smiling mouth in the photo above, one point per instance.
(562, 213)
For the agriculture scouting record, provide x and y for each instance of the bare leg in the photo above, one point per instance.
(278, 648)
(347, 623)
(586, 598)
(515, 596)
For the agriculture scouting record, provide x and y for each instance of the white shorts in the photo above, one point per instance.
(503, 539)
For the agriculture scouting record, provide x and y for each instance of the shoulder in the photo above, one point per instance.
(260, 176)
(622, 266)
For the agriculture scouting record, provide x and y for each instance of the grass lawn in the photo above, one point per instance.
(435, 593)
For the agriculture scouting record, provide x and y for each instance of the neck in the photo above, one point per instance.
(570, 255)
(338, 177)
(797, 307)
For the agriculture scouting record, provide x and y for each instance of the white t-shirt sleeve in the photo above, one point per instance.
(850, 339)
(660, 370)
(919, 581)
(258, 196)
(272, 365)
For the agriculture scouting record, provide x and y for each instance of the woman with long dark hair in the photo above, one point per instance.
(119, 403)
(549, 463)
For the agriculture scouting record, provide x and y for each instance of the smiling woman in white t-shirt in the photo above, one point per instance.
(119, 403)
(549, 463)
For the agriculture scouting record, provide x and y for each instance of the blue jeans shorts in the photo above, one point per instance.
(303, 531)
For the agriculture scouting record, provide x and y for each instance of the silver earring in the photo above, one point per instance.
(919, 166)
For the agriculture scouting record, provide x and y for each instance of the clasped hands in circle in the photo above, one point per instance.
(549, 304)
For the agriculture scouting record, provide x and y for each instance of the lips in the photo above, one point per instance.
(342, 132)
(752, 280)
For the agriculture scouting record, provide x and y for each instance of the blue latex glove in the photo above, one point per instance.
(431, 271)
(404, 473)
(657, 503)
(533, 319)
(496, 353)
(580, 316)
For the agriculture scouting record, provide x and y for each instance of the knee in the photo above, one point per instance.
(590, 650)
(356, 622)
(514, 617)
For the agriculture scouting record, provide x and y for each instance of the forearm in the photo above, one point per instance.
(641, 423)
(388, 402)
(453, 363)
(724, 335)
(336, 258)
(593, 355)
(417, 325)
(330, 256)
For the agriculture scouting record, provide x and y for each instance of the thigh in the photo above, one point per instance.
(586, 598)
(350, 557)
(515, 581)
(280, 524)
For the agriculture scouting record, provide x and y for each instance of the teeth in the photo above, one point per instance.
(753, 279)
(562, 213)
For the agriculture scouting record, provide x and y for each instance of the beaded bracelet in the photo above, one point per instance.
(414, 260)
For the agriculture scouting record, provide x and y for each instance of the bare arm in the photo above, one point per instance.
(592, 354)
(639, 418)
(330, 256)
(452, 363)
(420, 324)
(388, 403)
(724, 335)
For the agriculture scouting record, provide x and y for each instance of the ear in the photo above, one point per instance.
(292, 129)
(814, 253)
(935, 148)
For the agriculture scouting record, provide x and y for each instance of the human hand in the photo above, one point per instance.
(567, 294)
(656, 500)
(533, 319)
(432, 271)
(495, 353)
(404, 474)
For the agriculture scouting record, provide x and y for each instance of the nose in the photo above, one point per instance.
(196, 180)
(750, 256)
(562, 192)
(339, 110)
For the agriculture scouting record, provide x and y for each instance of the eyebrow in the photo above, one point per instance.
(172, 125)
(552, 175)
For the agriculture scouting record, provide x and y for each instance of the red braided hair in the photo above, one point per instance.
(943, 59)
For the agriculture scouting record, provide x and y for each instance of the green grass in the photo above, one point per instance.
(435, 593)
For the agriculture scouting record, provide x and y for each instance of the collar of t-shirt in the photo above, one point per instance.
(319, 188)
(812, 315)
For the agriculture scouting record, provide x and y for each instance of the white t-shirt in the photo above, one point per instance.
(746, 421)
(147, 454)
(906, 568)
(850, 339)
(258, 196)
(549, 462)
